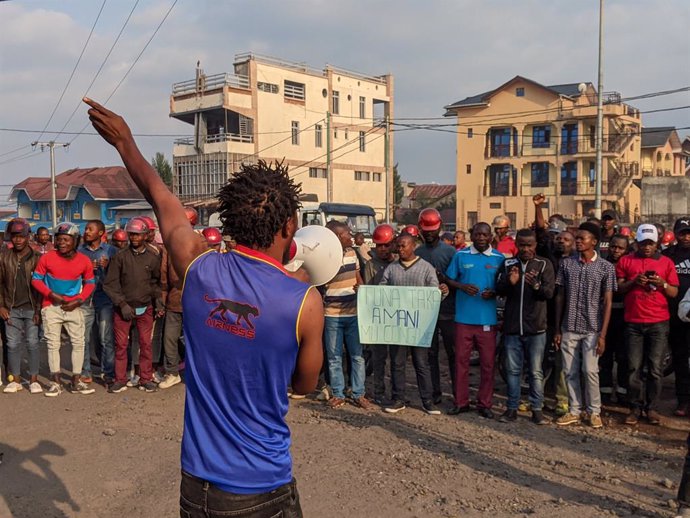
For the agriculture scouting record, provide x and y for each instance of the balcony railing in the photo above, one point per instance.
(539, 149)
(500, 189)
(530, 189)
(218, 137)
(205, 83)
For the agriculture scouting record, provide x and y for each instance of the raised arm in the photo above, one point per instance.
(178, 235)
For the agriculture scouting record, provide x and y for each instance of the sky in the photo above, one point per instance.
(438, 51)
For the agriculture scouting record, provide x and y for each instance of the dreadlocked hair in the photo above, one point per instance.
(256, 202)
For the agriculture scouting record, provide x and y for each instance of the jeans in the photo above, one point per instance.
(445, 328)
(144, 324)
(579, 353)
(21, 332)
(420, 360)
(679, 332)
(380, 353)
(646, 346)
(54, 318)
(100, 317)
(465, 339)
(616, 351)
(171, 337)
(337, 330)
(517, 347)
(201, 499)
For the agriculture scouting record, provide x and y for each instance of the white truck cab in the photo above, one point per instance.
(360, 218)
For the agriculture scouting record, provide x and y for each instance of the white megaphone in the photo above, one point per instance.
(318, 251)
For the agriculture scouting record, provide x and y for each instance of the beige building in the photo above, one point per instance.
(524, 138)
(661, 152)
(329, 126)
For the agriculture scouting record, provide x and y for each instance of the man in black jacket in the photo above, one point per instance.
(527, 282)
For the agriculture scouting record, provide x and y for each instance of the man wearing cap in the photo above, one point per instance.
(679, 330)
(609, 227)
(648, 280)
(439, 255)
(20, 306)
(119, 239)
(502, 242)
(64, 278)
(585, 285)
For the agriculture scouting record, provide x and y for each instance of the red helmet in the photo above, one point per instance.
(411, 230)
(119, 235)
(293, 250)
(212, 235)
(18, 226)
(625, 231)
(149, 222)
(192, 215)
(429, 219)
(383, 234)
(668, 238)
(137, 225)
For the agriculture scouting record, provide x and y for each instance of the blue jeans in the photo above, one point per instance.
(99, 317)
(337, 330)
(21, 331)
(580, 361)
(517, 347)
(647, 344)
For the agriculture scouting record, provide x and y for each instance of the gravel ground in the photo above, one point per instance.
(113, 455)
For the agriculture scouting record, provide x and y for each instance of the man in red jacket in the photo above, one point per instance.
(64, 278)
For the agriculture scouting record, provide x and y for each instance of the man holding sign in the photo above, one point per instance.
(410, 270)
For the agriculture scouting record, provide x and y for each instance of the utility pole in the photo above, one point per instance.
(387, 158)
(329, 168)
(600, 116)
(53, 186)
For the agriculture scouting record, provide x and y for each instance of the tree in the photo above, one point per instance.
(161, 164)
(398, 190)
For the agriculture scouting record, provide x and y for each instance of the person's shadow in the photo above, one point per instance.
(28, 483)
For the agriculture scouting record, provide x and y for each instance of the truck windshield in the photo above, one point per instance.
(357, 222)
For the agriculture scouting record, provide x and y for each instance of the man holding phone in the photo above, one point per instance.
(648, 280)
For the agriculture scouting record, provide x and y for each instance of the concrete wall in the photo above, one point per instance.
(665, 199)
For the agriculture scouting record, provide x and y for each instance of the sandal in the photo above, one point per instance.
(336, 402)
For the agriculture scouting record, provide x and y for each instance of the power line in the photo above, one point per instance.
(100, 68)
(15, 150)
(52, 114)
(30, 154)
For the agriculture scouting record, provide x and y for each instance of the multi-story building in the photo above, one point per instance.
(329, 126)
(661, 152)
(524, 138)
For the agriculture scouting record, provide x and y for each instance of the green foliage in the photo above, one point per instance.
(161, 164)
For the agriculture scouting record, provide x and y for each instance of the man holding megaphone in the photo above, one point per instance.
(250, 329)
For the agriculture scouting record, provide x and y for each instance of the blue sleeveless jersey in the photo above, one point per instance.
(241, 312)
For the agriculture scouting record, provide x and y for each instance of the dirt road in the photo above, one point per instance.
(114, 455)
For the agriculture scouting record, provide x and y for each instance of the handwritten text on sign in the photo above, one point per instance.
(399, 315)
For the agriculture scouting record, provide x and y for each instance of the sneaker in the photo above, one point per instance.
(157, 377)
(430, 409)
(297, 396)
(524, 406)
(437, 399)
(509, 416)
(363, 403)
(632, 418)
(395, 407)
(133, 381)
(54, 390)
(595, 421)
(324, 394)
(561, 409)
(459, 410)
(35, 388)
(486, 413)
(170, 380)
(538, 417)
(653, 418)
(148, 387)
(568, 419)
(12, 387)
(335, 402)
(82, 388)
(117, 387)
(87, 379)
(379, 399)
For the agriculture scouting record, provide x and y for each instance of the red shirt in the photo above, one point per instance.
(506, 246)
(642, 305)
(71, 278)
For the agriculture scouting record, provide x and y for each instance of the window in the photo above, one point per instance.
(500, 142)
(362, 143)
(520, 91)
(318, 135)
(540, 174)
(335, 133)
(362, 176)
(336, 102)
(295, 133)
(592, 174)
(569, 139)
(376, 177)
(569, 178)
(362, 107)
(267, 87)
(470, 133)
(317, 172)
(494, 205)
(541, 136)
(499, 179)
(292, 90)
(469, 168)
(471, 219)
(346, 134)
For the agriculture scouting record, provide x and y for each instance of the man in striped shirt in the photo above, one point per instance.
(340, 301)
